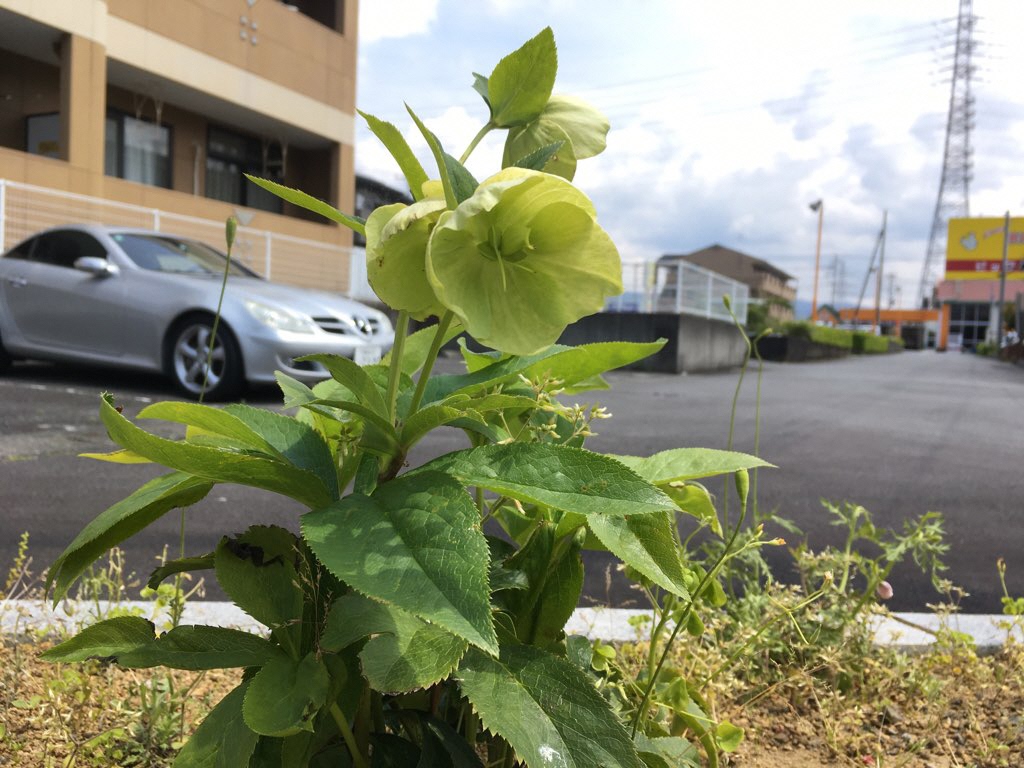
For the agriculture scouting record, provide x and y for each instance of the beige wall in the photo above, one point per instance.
(291, 49)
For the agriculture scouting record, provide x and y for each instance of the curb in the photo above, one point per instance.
(906, 631)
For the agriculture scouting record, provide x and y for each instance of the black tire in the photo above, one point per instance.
(185, 356)
(5, 359)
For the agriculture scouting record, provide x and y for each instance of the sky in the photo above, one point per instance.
(729, 118)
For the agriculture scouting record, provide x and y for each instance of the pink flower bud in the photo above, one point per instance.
(884, 591)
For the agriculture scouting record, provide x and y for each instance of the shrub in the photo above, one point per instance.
(870, 344)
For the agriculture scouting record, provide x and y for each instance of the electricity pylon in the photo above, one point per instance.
(954, 185)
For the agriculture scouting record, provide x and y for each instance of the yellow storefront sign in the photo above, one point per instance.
(974, 249)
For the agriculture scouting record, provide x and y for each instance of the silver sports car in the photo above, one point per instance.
(146, 300)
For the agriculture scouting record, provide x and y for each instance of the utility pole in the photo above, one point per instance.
(819, 207)
(838, 279)
(954, 184)
(878, 280)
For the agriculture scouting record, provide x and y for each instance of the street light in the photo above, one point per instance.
(819, 206)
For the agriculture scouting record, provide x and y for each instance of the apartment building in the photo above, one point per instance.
(767, 282)
(148, 113)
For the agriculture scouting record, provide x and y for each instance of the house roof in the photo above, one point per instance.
(729, 262)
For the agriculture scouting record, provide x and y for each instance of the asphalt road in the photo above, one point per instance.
(901, 435)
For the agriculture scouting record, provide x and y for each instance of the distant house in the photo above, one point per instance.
(372, 194)
(767, 283)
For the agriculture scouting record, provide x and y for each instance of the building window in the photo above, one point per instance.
(42, 134)
(229, 155)
(330, 13)
(137, 150)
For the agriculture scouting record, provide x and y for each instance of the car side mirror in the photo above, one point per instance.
(97, 266)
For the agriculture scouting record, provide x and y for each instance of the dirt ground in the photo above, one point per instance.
(953, 712)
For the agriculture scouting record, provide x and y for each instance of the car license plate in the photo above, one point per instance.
(367, 355)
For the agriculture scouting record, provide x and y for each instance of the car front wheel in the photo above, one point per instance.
(196, 368)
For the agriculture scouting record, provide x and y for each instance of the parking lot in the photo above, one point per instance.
(901, 435)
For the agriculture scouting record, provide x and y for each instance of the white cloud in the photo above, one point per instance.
(381, 19)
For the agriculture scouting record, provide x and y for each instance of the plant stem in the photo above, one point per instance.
(395, 373)
(476, 140)
(346, 733)
(641, 711)
(428, 364)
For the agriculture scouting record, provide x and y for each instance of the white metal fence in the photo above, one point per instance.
(26, 209)
(681, 288)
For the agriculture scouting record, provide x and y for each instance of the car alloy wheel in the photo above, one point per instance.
(190, 355)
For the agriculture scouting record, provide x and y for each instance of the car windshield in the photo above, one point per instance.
(159, 253)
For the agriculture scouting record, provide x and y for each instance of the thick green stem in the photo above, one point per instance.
(476, 140)
(395, 373)
(428, 364)
(350, 740)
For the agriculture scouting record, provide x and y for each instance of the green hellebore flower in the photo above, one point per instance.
(396, 244)
(567, 119)
(521, 259)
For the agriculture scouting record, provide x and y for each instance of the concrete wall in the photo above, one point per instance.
(694, 344)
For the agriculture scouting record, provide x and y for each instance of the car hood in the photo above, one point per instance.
(309, 302)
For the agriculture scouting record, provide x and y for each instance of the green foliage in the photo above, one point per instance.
(822, 334)
(869, 344)
(396, 631)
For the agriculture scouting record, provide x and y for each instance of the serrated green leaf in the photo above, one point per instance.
(285, 696)
(678, 464)
(537, 159)
(569, 365)
(124, 519)
(201, 647)
(463, 183)
(646, 543)
(215, 464)
(180, 565)
(521, 83)
(677, 750)
(480, 86)
(537, 702)
(217, 421)
(456, 408)
(222, 740)
(404, 654)
(355, 379)
(395, 143)
(415, 543)
(694, 500)
(295, 392)
(310, 203)
(294, 441)
(554, 577)
(450, 199)
(257, 570)
(570, 479)
(104, 639)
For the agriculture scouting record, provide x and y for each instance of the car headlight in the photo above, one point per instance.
(279, 318)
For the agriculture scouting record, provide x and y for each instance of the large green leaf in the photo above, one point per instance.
(569, 365)
(124, 519)
(450, 198)
(222, 740)
(554, 575)
(679, 464)
(646, 543)
(310, 203)
(405, 652)
(556, 476)
(354, 378)
(215, 464)
(546, 708)
(285, 696)
(257, 570)
(415, 543)
(103, 640)
(458, 407)
(219, 421)
(521, 83)
(396, 144)
(447, 748)
(296, 442)
(201, 647)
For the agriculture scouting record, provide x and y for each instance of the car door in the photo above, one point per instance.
(52, 305)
